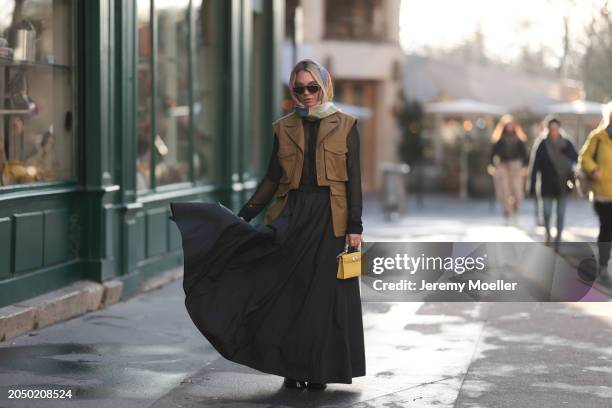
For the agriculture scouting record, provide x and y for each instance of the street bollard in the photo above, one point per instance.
(394, 189)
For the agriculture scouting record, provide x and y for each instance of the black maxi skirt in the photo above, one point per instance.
(267, 296)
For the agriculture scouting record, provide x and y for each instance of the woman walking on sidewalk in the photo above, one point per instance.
(554, 161)
(509, 160)
(596, 161)
(267, 296)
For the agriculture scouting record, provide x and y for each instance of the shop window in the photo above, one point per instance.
(171, 143)
(178, 101)
(163, 93)
(36, 104)
(356, 20)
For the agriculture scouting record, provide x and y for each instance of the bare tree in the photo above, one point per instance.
(596, 64)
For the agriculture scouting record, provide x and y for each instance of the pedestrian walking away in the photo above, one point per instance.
(267, 295)
(553, 162)
(595, 161)
(508, 165)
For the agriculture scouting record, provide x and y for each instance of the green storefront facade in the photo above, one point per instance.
(130, 105)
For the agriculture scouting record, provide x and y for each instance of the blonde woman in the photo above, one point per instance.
(596, 161)
(509, 161)
(267, 296)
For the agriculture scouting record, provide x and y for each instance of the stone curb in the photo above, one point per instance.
(71, 301)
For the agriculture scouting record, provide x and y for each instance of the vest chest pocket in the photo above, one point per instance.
(335, 161)
(287, 160)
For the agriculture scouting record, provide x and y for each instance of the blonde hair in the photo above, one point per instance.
(606, 113)
(501, 126)
(321, 76)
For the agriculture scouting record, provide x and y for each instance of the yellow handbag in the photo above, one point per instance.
(349, 264)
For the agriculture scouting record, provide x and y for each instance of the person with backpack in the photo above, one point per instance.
(554, 162)
(595, 161)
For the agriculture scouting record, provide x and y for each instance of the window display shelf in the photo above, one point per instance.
(15, 111)
(9, 62)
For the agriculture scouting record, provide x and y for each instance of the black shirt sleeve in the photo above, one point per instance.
(265, 189)
(524, 154)
(572, 154)
(535, 167)
(354, 196)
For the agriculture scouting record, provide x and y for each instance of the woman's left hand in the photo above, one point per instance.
(354, 240)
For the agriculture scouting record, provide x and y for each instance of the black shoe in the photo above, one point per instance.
(316, 386)
(294, 384)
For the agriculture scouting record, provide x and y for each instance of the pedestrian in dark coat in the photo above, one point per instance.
(554, 163)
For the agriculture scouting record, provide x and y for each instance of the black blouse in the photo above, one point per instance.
(269, 184)
(510, 148)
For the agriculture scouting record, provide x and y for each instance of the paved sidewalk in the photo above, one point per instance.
(449, 218)
(146, 352)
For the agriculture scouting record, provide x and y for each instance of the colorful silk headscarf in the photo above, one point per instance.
(322, 77)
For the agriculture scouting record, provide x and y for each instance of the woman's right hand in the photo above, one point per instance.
(595, 174)
(354, 240)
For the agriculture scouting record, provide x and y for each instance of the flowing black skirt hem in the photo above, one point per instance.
(267, 296)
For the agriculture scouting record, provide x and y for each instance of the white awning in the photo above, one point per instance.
(465, 107)
(581, 108)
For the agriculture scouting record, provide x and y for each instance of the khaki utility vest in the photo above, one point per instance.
(331, 155)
